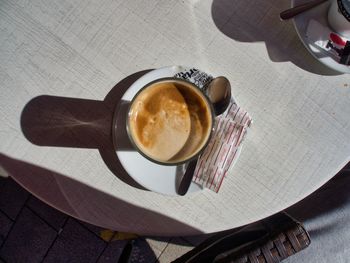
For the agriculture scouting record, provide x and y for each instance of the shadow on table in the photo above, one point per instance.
(70, 200)
(79, 123)
(258, 21)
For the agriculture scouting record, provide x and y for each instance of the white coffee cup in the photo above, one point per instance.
(339, 17)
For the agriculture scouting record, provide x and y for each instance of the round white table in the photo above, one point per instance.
(65, 64)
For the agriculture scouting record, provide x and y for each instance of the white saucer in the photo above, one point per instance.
(319, 14)
(157, 178)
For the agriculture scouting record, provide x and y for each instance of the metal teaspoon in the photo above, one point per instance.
(296, 10)
(219, 93)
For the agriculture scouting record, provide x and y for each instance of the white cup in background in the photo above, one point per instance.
(339, 17)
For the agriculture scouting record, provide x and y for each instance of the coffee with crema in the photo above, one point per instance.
(170, 121)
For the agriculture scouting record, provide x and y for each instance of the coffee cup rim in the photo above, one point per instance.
(343, 10)
(212, 114)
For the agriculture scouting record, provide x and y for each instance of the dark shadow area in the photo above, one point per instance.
(258, 21)
(79, 123)
(328, 198)
(331, 197)
(100, 208)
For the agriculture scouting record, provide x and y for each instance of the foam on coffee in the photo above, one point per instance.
(170, 121)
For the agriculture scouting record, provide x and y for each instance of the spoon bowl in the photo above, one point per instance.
(219, 93)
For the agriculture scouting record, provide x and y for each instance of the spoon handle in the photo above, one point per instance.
(187, 177)
(292, 12)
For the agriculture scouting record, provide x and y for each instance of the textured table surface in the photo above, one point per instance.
(82, 55)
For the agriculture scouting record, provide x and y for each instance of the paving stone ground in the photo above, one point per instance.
(33, 232)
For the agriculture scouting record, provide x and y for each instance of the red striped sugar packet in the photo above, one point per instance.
(222, 150)
(328, 42)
